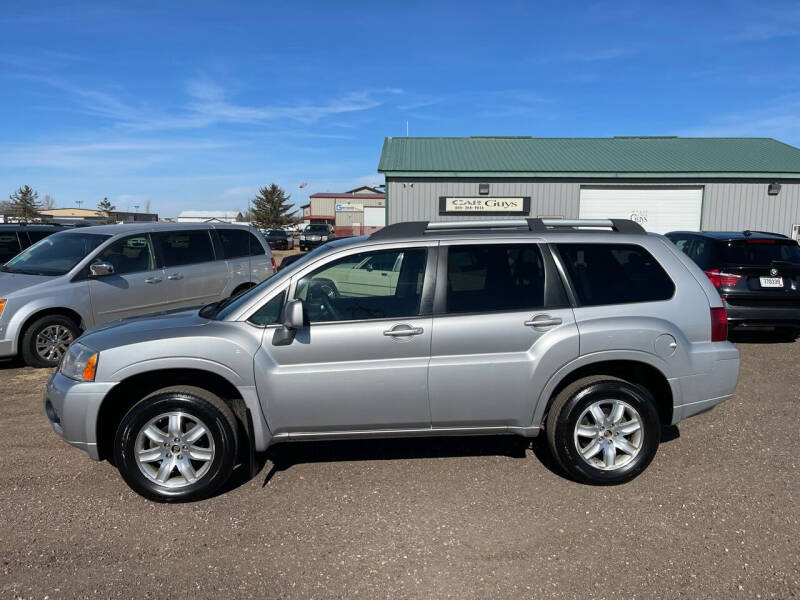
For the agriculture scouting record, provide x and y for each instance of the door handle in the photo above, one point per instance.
(153, 280)
(403, 331)
(175, 276)
(540, 321)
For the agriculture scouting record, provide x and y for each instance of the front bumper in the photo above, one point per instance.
(72, 408)
(754, 312)
(7, 348)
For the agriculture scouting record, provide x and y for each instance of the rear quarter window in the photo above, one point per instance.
(614, 274)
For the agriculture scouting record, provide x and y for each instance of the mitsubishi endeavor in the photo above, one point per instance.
(592, 332)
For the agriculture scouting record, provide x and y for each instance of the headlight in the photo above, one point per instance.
(324, 237)
(2, 306)
(80, 363)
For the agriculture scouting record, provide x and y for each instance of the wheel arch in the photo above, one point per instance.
(637, 370)
(28, 320)
(132, 389)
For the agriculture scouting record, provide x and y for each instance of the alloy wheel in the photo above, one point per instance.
(609, 434)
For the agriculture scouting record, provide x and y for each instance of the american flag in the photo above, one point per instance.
(304, 184)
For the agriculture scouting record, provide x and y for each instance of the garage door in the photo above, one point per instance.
(656, 209)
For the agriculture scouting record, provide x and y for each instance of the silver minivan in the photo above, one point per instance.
(82, 277)
(593, 332)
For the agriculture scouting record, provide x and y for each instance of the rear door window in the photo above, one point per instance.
(494, 277)
(9, 246)
(184, 247)
(237, 243)
(614, 274)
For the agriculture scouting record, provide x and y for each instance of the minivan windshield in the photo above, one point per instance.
(759, 252)
(54, 255)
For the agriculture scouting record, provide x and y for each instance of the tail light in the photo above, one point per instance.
(721, 279)
(719, 325)
(274, 266)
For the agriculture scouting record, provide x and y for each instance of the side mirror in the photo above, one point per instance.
(100, 269)
(293, 315)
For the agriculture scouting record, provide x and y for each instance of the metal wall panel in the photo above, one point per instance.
(726, 205)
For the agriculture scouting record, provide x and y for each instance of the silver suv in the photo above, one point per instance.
(591, 331)
(83, 277)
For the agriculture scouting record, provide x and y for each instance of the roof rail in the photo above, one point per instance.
(419, 228)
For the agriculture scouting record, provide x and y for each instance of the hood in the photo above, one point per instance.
(145, 328)
(14, 282)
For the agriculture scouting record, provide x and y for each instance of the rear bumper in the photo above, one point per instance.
(755, 313)
(714, 385)
(72, 408)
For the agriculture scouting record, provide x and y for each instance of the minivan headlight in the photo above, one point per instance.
(80, 363)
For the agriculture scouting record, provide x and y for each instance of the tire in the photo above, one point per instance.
(60, 330)
(215, 451)
(630, 453)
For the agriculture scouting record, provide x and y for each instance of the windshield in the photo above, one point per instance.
(223, 309)
(759, 252)
(55, 255)
(315, 229)
(276, 233)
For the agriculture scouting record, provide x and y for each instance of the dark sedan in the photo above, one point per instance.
(278, 239)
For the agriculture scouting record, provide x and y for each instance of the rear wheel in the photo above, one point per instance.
(603, 430)
(177, 444)
(46, 340)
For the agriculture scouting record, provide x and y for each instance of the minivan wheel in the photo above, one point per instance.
(46, 340)
(603, 430)
(177, 444)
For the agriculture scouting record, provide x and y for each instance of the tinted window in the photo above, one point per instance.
(614, 274)
(239, 242)
(269, 313)
(56, 254)
(758, 252)
(35, 236)
(9, 246)
(494, 277)
(184, 247)
(701, 252)
(342, 291)
(129, 255)
(277, 233)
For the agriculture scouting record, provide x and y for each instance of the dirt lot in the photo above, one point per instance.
(717, 514)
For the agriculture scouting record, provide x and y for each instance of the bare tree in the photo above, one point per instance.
(49, 203)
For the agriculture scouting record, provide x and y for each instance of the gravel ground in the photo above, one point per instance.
(716, 514)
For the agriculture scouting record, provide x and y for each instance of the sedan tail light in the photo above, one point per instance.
(721, 279)
(719, 325)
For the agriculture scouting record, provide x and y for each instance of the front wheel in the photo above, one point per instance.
(603, 430)
(177, 444)
(46, 340)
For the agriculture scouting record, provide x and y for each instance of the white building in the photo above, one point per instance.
(204, 216)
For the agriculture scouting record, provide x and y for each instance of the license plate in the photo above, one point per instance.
(771, 282)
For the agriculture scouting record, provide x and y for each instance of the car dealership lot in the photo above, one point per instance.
(716, 514)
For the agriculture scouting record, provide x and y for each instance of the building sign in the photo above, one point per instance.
(484, 206)
(348, 207)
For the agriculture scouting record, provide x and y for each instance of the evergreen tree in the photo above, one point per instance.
(24, 204)
(106, 206)
(271, 208)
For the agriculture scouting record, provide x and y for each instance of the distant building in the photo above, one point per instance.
(354, 212)
(71, 216)
(204, 216)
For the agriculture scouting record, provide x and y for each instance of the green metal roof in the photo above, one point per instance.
(590, 157)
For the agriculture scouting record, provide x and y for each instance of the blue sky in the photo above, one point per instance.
(196, 104)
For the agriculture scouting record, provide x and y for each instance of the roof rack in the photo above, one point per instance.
(420, 228)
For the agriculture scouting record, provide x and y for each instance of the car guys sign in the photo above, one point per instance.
(484, 205)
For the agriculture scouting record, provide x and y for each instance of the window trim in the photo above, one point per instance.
(282, 290)
(556, 295)
(428, 282)
(572, 289)
(160, 257)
